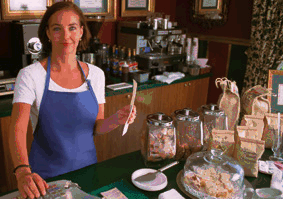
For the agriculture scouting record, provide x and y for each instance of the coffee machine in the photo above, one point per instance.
(26, 44)
(160, 44)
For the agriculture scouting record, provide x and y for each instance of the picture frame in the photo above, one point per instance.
(94, 8)
(136, 8)
(207, 6)
(275, 83)
(24, 9)
(209, 13)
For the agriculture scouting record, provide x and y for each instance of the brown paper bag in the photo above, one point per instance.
(254, 102)
(270, 127)
(248, 132)
(247, 152)
(254, 121)
(229, 101)
(223, 140)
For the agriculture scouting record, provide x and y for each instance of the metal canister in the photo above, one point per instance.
(89, 58)
(155, 24)
(159, 140)
(165, 24)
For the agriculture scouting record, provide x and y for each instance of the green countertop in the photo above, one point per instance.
(6, 101)
(92, 179)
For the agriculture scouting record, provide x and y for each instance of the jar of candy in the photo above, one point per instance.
(189, 132)
(212, 117)
(158, 140)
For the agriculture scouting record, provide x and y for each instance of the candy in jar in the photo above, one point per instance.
(189, 132)
(158, 140)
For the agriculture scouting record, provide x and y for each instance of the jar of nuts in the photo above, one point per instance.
(212, 117)
(158, 140)
(189, 132)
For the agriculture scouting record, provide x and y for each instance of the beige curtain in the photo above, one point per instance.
(266, 50)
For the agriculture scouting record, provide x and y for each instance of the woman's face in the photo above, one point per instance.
(64, 31)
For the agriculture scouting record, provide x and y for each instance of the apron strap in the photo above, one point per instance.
(87, 81)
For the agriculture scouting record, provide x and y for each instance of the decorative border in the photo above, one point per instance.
(21, 14)
(138, 11)
(203, 10)
(275, 78)
(108, 10)
(199, 15)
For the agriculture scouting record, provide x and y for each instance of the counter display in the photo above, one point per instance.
(116, 172)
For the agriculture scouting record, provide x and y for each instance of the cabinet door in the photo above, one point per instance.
(176, 96)
(198, 93)
(113, 144)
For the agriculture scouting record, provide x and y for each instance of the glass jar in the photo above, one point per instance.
(189, 132)
(213, 118)
(158, 140)
(210, 174)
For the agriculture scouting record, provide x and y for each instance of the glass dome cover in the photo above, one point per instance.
(211, 174)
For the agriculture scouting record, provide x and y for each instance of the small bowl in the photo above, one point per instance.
(268, 193)
(201, 61)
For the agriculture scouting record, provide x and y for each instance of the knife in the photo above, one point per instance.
(125, 129)
(152, 175)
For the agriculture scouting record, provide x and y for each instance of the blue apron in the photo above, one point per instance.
(63, 138)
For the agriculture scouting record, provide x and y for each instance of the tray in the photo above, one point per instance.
(119, 86)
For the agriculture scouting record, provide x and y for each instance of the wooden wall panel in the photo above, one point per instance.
(218, 54)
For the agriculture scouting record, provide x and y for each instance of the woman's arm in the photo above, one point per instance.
(120, 117)
(27, 181)
(18, 133)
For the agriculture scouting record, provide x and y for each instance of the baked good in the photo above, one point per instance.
(211, 182)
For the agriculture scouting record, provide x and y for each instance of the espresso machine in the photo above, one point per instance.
(160, 44)
(26, 44)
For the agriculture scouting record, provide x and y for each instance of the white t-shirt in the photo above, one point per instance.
(30, 83)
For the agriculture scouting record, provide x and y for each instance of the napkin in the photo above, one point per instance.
(276, 180)
(125, 129)
(169, 77)
(266, 167)
(172, 193)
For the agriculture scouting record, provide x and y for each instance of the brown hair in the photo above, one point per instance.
(64, 5)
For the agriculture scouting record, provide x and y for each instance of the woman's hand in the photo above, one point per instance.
(30, 184)
(123, 114)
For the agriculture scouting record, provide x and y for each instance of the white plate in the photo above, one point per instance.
(270, 193)
(160, 182)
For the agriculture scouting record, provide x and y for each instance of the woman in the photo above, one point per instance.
(65, 100)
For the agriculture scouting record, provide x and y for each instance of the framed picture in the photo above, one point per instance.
(24, 9)
(275, 82)
(207, 6)
(210, 13)
(93, 8)
(131, 8)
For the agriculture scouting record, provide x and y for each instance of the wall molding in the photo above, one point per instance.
(227, 40)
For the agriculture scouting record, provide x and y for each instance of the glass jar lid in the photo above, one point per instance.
(186, 114)
(212, 109)
(159, 119)
(214, 169)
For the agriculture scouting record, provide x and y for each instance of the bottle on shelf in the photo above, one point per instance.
(135, 64)
(107, 64)
(125, 67)
(112, 55)
(129, 60)
(115, 64)
(121, 62)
